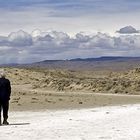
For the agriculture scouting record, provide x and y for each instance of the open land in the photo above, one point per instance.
(34, 89)
(72, 104)
(104, 123)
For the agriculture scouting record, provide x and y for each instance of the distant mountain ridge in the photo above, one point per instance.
(103, 58)
(101, 63)
(114, 63)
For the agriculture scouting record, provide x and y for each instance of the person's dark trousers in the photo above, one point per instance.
(4, 105)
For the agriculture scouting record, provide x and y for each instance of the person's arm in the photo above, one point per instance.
(9, 89)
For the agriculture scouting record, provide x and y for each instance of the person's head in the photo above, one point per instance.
(2, 73)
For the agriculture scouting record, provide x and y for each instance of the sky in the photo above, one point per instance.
(35, 30)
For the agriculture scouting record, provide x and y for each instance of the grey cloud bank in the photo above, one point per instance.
(22, 47)
(128, 30)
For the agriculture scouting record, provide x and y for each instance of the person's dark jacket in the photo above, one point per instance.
(5, 89)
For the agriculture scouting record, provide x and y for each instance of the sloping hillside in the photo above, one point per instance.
(63, 80)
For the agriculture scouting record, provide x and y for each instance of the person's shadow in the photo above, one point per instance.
(17, 124)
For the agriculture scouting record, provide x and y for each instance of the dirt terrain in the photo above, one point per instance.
(102, 81)
(34, 89)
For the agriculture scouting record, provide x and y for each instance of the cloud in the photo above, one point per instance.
(74, 16)
(23, 47)
(20, 38)
(128, 30)
(36, 33)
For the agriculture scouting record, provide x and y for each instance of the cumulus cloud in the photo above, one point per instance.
(36, 33)
(128, 30)
(23, 47)
(20, 38)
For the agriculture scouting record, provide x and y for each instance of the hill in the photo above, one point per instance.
(101, 63)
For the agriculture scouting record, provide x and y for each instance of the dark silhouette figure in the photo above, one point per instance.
(5, 92)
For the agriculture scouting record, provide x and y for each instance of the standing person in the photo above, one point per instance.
(5, 92)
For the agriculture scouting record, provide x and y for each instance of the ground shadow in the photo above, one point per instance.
(17, 124)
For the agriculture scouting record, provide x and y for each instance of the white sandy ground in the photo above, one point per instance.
(105, 123)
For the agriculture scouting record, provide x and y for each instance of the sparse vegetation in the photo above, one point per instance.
(127, 82)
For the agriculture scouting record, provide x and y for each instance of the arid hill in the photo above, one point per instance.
(127, 82)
